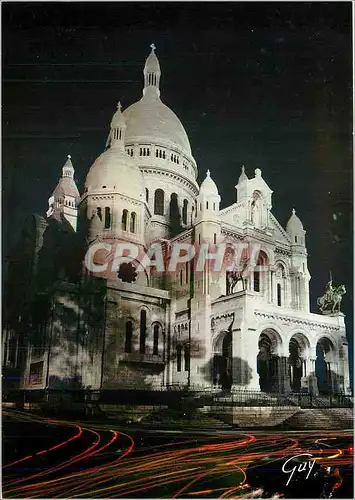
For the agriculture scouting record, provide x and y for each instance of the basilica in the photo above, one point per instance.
(66, 326)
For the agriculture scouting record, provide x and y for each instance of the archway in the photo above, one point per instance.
(174, 212)
(296, 361)
(324, 353)
(268, 364)
(222, 371)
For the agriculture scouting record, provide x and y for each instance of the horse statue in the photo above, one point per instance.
(232, 280)
(332, 298)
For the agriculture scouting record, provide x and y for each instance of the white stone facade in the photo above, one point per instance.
(261, 337)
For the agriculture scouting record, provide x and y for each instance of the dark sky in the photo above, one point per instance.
(266, 85)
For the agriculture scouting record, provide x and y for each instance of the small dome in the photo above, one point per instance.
(151, 121)
(114, 169)
(208, 186)
(294, 224)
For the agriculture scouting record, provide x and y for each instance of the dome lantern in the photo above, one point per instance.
(152, 73)
(243, 176)
(118, 127)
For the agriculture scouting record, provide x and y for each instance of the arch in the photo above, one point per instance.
(281, 269)
(159, 202)
(325, 367)
(142, 331)
(268, 360)
(128, 336)
(184, 211)
(298, 350)
(279, 294)
(173, 203)
(124, 220)
(157, 330)
(132, 225)
(222, 360)
(107, 218)
(178, 357)
(261, 263)
(186, 357)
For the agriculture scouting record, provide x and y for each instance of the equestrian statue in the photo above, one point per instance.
(331, 300)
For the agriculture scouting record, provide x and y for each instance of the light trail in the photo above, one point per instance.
(196, 467)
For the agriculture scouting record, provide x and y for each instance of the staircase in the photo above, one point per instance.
(171, 419)
(320, 419)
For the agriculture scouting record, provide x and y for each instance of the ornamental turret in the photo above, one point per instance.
(65, 198)
(299, 274)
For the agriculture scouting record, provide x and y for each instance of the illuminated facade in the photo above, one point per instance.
(183, 327)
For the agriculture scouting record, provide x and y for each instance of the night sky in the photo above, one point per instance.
(266, 85)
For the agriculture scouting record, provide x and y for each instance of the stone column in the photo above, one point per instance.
(311, 374)
(272, 281)
(283, 375)
(244, 353)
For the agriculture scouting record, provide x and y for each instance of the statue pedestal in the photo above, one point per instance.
(333, 314)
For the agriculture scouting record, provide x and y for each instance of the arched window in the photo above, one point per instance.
(261, 262)
(146, 195)
(124, 220)
(128, 340)
(214, 238)
(187, 358)
(278, 294)
(207, 205)
(142, 331)
(256, 281)
(159, 202)
(107, 217)
(99, 213)
(184, 212)
(181, 277)
(156, 339)
(178, 358)
(187, 272)
(132, 226)
(173, 208)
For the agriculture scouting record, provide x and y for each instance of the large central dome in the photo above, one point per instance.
(151, 121)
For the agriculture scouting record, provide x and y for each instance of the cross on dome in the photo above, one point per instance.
(69, 157)
(293, 211)
(208, 173)
(153, 47)
(119, 106)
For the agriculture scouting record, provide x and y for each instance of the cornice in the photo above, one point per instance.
(286, 319)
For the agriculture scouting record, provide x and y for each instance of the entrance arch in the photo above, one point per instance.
(324, 362)
(268, 360)
(298, 350)
(222, 373)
